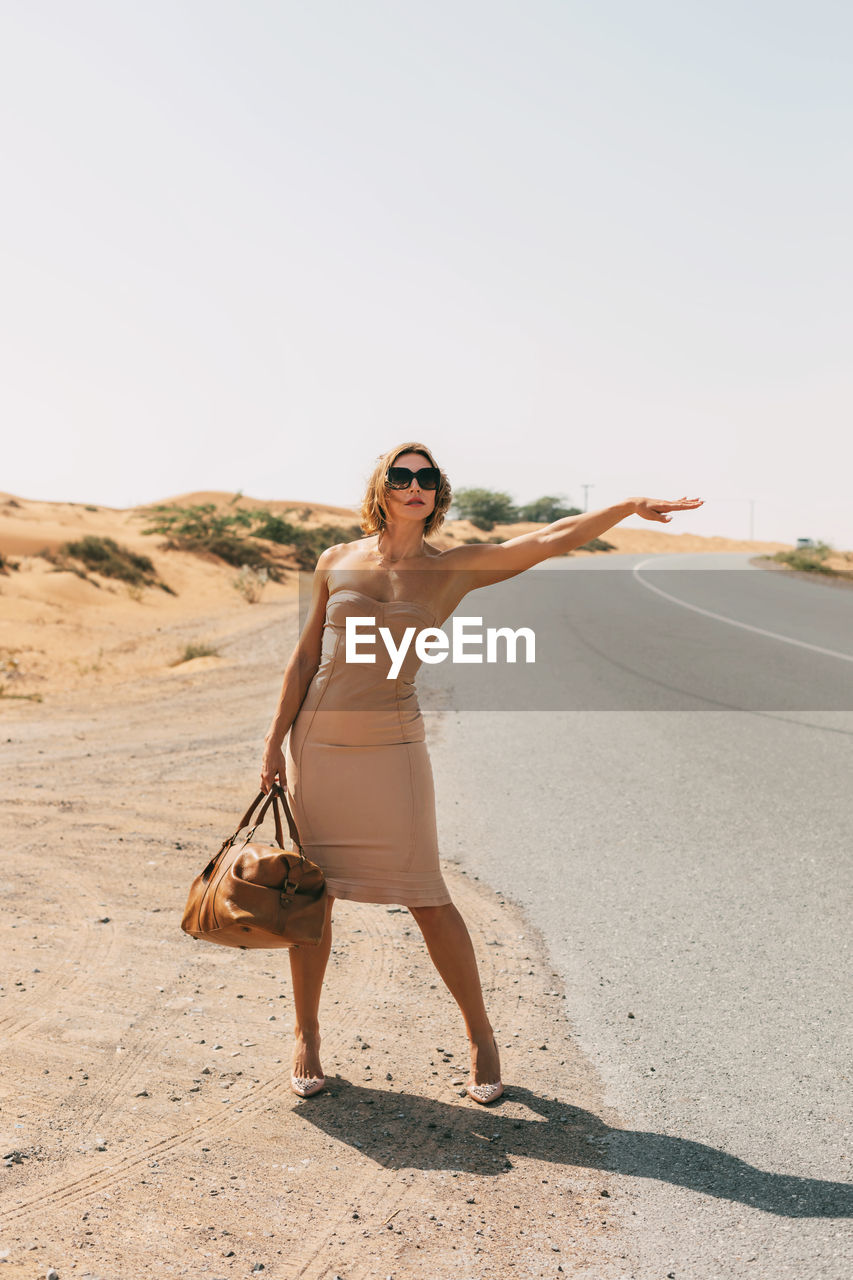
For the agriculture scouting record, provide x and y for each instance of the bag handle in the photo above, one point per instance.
(276, 793)
(262, 813)
(280, 793)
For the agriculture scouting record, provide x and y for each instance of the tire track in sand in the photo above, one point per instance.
(370, 971)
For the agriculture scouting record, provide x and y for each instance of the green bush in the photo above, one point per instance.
(198, 523)
(807, 559)
(205, 528)
(106, 557)
(236, 551)
(597, 544)
(307, 544)
(274, 529)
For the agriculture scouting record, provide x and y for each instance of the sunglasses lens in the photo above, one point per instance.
(401, 477)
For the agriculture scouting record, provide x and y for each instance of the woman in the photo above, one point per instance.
(357, 768)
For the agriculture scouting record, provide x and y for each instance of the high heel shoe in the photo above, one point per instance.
(485, 1093)
(305, 1086)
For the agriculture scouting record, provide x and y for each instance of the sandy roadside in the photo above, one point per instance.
(147, 1122)
(145, 1111)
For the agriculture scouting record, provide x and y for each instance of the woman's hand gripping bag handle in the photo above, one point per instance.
(252, 895)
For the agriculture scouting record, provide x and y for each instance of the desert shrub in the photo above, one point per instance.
(196, 649)
(204, 528)
(111, 560)
(237, 552)
(807, 559)
(313, 542)
(62, 564)
(307, 544)
(228, 534)
(105, 556)
(597, 544)
(274, 529)
(196, 524)
(250, 583)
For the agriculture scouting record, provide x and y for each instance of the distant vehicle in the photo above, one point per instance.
(804, 542)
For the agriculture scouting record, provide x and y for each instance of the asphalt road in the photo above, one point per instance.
(670, 798)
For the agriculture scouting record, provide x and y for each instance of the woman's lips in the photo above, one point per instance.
(415, 502)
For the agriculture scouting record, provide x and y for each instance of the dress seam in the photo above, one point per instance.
(307, 732)
(411, 856)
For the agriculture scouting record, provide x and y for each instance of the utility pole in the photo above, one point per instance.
(586, 488)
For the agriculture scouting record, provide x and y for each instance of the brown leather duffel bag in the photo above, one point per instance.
(255, 895)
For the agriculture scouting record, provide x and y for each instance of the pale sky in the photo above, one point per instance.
(252, 245)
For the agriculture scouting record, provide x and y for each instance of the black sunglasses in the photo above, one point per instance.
(402, 477)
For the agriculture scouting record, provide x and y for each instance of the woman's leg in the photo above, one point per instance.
(452, 952)
(307, 969)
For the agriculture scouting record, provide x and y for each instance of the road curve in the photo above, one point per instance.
(679, 826)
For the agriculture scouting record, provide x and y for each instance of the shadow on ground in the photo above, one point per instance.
(403, 1129)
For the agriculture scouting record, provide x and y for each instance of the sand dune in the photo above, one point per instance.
(59, 632)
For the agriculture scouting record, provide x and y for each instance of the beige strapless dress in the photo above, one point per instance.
(359, 777)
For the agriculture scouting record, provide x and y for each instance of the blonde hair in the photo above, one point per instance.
(374, 516)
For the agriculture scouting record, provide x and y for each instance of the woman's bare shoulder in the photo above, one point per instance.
(342, 550)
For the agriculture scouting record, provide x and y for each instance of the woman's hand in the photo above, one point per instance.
(272, 767)
(655, 508)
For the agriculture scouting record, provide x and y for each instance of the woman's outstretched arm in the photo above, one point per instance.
(492, 562)
(573, 531)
